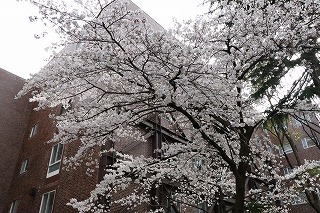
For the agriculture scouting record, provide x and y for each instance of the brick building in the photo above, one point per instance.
(299, 140)
(30, 165)
(39, 184)
(32, 178)
(36, 182)
(25, 156)
(13, 122)
(33, 168)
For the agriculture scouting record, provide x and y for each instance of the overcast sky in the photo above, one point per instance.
(22, 54)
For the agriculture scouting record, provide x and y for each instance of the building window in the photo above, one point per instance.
(171, 201)
(66, 108)
(287, 170)
(257, 142)
(198, 164)
(24, 166)
(55, 159)
(307, 143)
(171, 206)
(280, 127)
(13, 207)
(286, 149)
(297, 122)
(305, 118)
(33, 131)
(202, 207)
(47, 202)
(300, 199)
(265, 131)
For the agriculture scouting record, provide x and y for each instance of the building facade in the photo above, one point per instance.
(39, 184)
(298, 140)
(32, 174)
(33, 178)
(13, 122)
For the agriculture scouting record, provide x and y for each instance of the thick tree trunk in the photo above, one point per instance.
(239, 206)
(314, 200)
(245, 135)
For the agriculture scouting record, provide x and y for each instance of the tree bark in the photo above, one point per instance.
(245, 135)
(239, 206)
(313, 200)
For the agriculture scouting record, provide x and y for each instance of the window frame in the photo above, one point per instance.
(287, 170)
(300, 199)
(198, 164)
(306, 142)
(167, 204)
(202, 207)
(34, 130)
(278, 129)
(297, 122)
(66, 108)
(56, 161)
(283, 149)
(42, 200)
(14, 206)
(306, 117)
(167, 195)
(24, 166)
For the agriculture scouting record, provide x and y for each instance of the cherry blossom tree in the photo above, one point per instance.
(217, 79)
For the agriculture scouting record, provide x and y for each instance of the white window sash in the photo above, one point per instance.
(13, 207)
(46, 205)
(300, 199)
(308, 143)
(24, 166)
(285, 149)
(54, 159)
(33, 131)
(287, 170)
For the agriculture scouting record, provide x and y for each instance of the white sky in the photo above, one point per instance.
(22, 54)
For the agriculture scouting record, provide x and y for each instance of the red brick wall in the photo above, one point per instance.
(312, 153)
(67, 185)
(74, 183)
(71, 184)
(37, 151)
(13, 119)
(302, 208)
